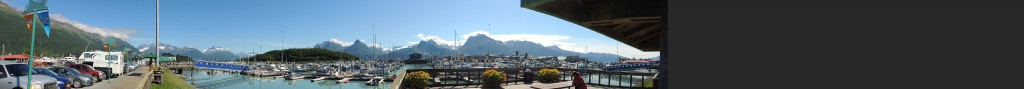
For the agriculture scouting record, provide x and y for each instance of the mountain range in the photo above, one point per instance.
(474, 45)
(65, 39)
(213, 53)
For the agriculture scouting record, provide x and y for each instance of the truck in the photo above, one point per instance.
(113, 62)
(15, 76)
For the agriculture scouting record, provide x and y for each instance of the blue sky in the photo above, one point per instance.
(245, 25)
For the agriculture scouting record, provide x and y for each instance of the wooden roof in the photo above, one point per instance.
(637, 23)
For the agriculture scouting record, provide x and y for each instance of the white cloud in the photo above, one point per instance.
(436, 39)
(215, 48)
(343, 43)
(105, 32)
(395, 48)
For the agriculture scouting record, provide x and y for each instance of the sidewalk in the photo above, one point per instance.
(137, 79)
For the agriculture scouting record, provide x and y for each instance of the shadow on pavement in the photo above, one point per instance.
(135, 74)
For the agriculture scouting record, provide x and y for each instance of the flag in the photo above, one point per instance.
(28, 21)
(38, 9)
(106, 47)
(44, 17)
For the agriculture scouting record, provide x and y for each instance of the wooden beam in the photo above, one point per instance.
(623, 21)
(643, 32)
(645, 38)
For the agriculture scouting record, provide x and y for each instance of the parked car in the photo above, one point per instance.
(15, 74)
(109, 61)
(86, 69)
(47, 72)
(78, 80)
(105, 71)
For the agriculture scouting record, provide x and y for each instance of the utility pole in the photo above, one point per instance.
(157, 63)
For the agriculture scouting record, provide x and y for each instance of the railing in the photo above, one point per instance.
(591, 77)
(220, 66)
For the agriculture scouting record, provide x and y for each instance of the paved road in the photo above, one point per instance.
(135, 80)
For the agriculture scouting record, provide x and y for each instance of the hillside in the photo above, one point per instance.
(64, 39)
(483, 45)
(304, 54)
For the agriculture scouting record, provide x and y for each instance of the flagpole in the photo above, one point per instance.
(32, 50)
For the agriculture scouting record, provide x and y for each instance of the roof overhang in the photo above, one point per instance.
(637, 23)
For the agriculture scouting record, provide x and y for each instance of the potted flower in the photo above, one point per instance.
(416, 80)
(493, 79)
(548, 75)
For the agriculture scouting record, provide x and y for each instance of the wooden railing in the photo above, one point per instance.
(515, 76)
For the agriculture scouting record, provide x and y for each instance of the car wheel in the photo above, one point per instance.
(76, 83)
(97, 79)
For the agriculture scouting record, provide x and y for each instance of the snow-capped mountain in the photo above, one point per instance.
(219, 54)
(212, 53)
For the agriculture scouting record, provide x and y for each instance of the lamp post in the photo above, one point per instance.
(111, 69)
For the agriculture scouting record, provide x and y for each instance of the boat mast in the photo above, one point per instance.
(456, 48)
(488, 56)
(373, 29)
(282, 45)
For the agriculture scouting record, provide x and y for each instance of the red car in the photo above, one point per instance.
(86, 69)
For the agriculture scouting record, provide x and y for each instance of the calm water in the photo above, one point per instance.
(237, 81)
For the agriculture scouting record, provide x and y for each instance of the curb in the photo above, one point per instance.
(147, 77)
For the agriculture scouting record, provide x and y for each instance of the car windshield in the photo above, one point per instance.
(45, 71)
(17, 69)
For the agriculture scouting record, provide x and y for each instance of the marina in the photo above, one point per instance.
(299, 79)
(382, 74)
(110, 55)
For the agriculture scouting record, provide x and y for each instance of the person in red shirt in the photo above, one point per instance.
(577, 81)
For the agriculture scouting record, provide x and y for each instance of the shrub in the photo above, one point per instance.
(416, 80)
(649, 83)
(492, 78)
(548, 75)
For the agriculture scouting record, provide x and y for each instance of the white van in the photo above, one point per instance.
(100, 59)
